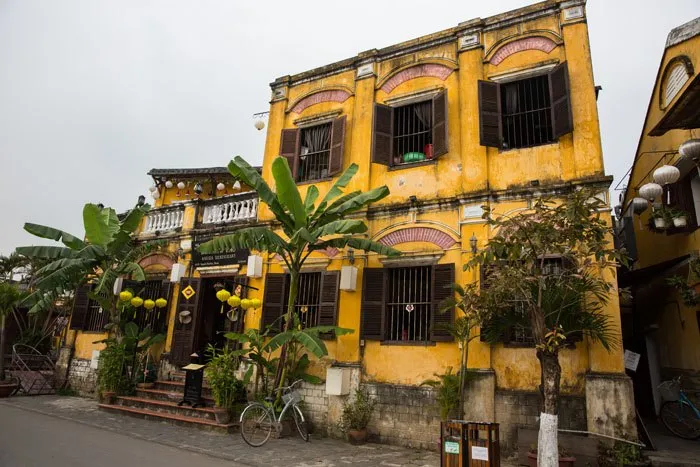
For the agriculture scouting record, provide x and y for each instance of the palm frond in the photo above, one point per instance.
(358, 244)
(45, 252)
(42, 231)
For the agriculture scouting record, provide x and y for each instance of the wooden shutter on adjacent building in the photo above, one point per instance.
(335, 164)
(681, 197)
(440, 137)
(382, 134)
(373, 303)
(273, 302)
(183, 334)
(289, 148)
(81, 301)
(443, 278)
(490, 124)
(562, 118)
(328, 309)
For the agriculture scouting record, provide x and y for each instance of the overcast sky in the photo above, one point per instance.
(94, 93)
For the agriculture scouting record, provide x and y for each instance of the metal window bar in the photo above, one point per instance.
(314, 165)
(409, 304)
(526, 113)
(154, 318)
(308, 299)
(411, 134)
(97, 318)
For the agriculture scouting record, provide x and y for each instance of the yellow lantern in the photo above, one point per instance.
(149, 304)
(245, 303)
(161, 303)
(136, 302)
(223, 295)
(125, 296)
(255, 303)
(234, 301)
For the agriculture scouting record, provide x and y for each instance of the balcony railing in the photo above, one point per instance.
(230, 209)
(164, 219)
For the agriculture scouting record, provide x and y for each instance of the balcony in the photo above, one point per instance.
(230, 209)
(163, 220)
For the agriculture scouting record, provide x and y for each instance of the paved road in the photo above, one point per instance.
(30, 439)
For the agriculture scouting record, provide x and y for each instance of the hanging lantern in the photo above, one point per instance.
(161, 303)
(152, 188)
(168, 184)
(223, 295)
(155, 194)
(237, 186)
(181, 185)
(255, 303)
(639, 205)
(259, 125)
(234, 301)
(198, 189)
(245, 303)
(666, 174)
(651, 191)
(690, 149)
(136, 302)
(125, 296)
(220, 186)
(149, 304)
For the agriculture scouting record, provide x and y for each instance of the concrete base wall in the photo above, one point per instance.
(610, 406)
(82, 378)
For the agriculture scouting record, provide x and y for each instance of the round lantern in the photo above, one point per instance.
(259, 125)
(168, 184)
(639, 205)
(136, 302)
(651, 191)
(161, 303)
(152, 188)
(181, 185)
(149, 304)
(125, 296)
(666, 174)
(155, 194)
(237, 186)
(220, 186)
(234, 301)
(690, 149)
(255, 303)
(245, 303)
(223, 295)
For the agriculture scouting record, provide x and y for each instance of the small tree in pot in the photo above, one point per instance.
(225, 387)
(356, 416)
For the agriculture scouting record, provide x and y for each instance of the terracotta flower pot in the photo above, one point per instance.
(108, 397)
(223, 415)
(8, 387)
(356, 437)
(563, 461)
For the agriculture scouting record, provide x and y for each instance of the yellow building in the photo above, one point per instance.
(660, 324)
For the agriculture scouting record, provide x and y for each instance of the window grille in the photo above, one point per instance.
(97, 318)
(527, 118)
(308, 298)
(314, 153)
(413, 133)
(409, 304)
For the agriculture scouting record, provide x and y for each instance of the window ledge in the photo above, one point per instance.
(311, 182)
(410, 343)
(553, 143)
(411, 165)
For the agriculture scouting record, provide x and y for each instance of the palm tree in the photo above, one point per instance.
(306, 227)
(10, 264)
(10, 296)
(108, 252)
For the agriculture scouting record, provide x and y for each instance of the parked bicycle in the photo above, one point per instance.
(258, 419)
(678, 414)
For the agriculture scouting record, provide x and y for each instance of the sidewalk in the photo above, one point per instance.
(288, 452)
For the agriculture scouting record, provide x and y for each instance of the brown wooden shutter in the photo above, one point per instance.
(184, 333)
(681, 197)
(443, 279)
(373, 303)
(328, 310)
(166, 289)
(289, 148)
(382, 134)
(490, 122)
(335, 164)
(440, 137)
(562, 119)
(81, 302)
(273, 302)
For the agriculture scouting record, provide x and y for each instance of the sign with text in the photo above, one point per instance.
(216, 259)
(451, 447)
(480, 453)
(631, 360)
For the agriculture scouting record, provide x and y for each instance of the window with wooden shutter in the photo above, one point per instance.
(440, 137)
(80, 308)
(373, 303)
(490, 131)
(184, 332)
(562, 118)
(382, 134)
(335, 165)
(443, 279)
(274, 302)
(681, 198)
(328, 311)
(289, 148)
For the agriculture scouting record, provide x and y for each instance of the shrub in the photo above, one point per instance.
(356, 414)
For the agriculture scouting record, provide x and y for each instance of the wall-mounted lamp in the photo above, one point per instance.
(198, 189)
(413, 199)
(351, 256)
(348, 274)
(141, 201)
(473, 243)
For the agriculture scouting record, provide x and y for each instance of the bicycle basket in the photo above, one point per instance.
(293, 397)
(670, 390)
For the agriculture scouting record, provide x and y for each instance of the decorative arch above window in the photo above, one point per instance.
(677, 72)
(318, 97)
(540, 43)
(418, 234)
(157, 261)
(434, 70)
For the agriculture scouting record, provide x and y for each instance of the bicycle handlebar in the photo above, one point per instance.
(284, 388)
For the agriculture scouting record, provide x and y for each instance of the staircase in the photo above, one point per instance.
(160, 403)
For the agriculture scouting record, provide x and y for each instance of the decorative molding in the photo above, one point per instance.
(279, 94)
(311, 265)
(158, 259)
(469, 41)
(366, 70)
(528, 71)
(413, 259)
(418, 234)
(572, 13)
(409, 97)
(317, 118)
(330, 252)
(541, 43)
(319, 96)
(415, 71)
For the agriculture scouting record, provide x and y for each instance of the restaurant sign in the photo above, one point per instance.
(228, 258)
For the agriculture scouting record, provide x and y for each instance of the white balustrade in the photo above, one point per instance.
(227, 211)
(164, 220)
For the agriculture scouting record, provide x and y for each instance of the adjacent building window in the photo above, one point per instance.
(315, 152)
(409, 304)
(684, 197)
(410, 133)
(526, 112)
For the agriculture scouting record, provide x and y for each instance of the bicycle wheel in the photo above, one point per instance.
(679, 418)
(256, 425)
(301, 423)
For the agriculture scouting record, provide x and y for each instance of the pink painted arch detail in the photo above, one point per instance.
(335, 95)
(418, 234)
(529, 43)
(417, 71)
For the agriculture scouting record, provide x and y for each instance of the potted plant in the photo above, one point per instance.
(147, 374)
(447, 399)
(10, 296)
(660, 218)
(111, 373)
(565, 458)
(226, 389)
(356, 416)
(678, 217)
(621, 454)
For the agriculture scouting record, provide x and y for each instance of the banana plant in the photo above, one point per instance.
(107, 252)
(305, 226)
(10, 297)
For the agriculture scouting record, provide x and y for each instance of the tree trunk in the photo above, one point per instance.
(282, 365)
(2, 346)
(548, 443)
(463, 376)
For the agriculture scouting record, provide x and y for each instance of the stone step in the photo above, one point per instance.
(167, 395)
(179, 386)
(169, 417)
(166, 407)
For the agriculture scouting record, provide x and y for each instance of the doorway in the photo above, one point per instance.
(217, 318)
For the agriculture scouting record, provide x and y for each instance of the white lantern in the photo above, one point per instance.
(220, 186)
(155, 194)
(181, 185)
(690, 149)
(237, 186)
(259, 125)
(152, 188)
(651, 191)
(168, 184)
(639, 205)
(666, 174)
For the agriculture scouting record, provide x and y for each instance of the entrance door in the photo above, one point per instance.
(216, 319)
(189, 299)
